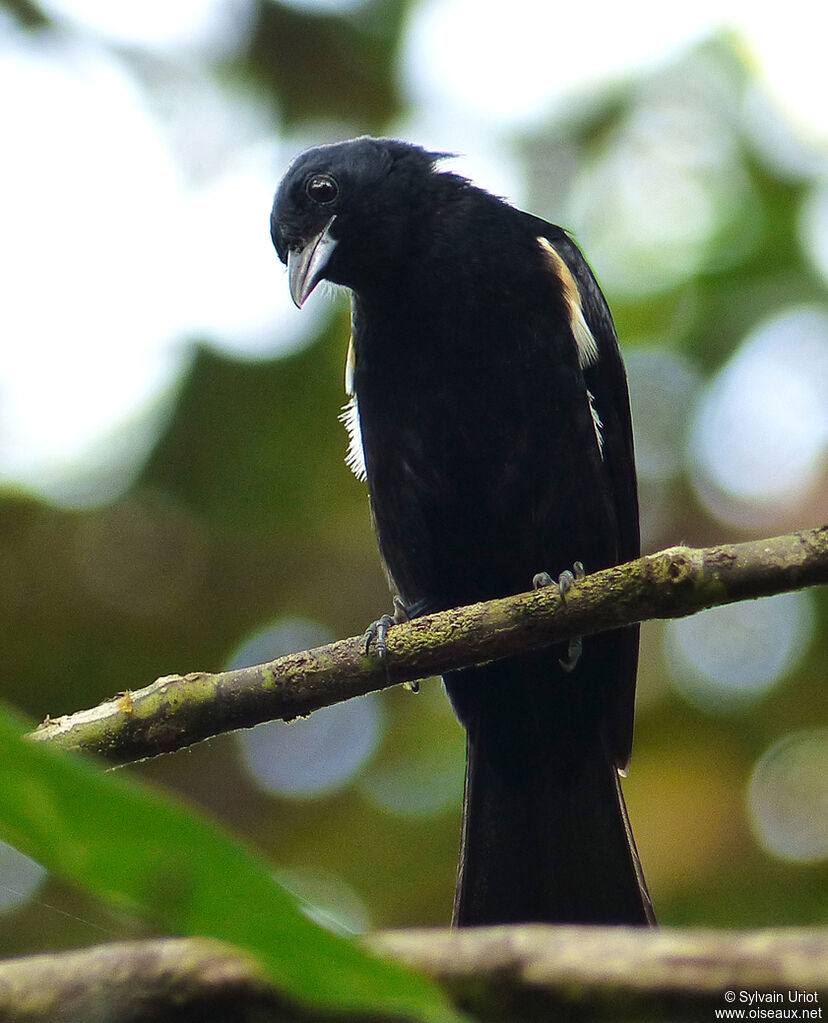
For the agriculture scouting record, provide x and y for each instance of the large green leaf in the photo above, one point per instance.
(167, 863)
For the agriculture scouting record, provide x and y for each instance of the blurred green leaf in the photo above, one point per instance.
(257, 445)
(174, 868)
(340, 66)
(27, 14)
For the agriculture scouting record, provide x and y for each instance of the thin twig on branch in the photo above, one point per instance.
(178, 710)
(524, 974)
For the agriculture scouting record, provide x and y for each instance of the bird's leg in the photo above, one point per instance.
(566, 580)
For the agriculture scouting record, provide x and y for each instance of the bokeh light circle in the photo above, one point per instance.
(665, 195)
(725, 659)
(788, 797)
(317, 755)
(761, 430)
(313, 756)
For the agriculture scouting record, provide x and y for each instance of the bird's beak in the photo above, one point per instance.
(305, 265)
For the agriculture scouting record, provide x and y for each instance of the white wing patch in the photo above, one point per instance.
(596, 422)
(349, 417)
(584, 340)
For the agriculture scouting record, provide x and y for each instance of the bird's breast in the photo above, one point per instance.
(470, 423)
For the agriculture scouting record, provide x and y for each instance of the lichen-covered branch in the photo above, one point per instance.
(139, 982)
(525, 974)
(178, 710)
(539, 972)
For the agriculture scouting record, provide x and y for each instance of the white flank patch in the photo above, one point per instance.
(355, 459)
(584, 340)
(349, 417)
(596, 422)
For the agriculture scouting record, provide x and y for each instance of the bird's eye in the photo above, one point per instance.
(321, 188)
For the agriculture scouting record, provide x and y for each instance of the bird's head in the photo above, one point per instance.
(343, 212)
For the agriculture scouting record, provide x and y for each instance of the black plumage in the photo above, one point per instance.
(492, 420)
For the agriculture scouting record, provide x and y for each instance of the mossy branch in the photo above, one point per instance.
(538, 972)
(524, 974)
(178, 710)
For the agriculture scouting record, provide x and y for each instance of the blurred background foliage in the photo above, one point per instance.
(205, 517)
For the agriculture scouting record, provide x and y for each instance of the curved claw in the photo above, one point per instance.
(377, 633)
(567, 579)
(573, 654)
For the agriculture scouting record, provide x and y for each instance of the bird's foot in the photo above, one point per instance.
(377, 632)
(566, 580)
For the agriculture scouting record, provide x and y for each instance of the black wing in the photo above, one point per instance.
(606, 382)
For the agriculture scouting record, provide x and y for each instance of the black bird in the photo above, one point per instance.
(490, 417)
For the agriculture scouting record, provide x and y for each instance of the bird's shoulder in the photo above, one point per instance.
(591, 298)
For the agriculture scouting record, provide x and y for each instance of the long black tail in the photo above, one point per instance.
(546, 835)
